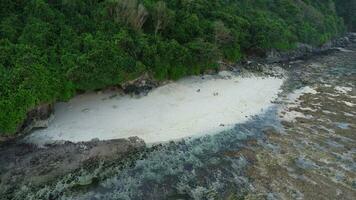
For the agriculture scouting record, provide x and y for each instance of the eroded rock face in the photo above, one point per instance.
(352, 37)
(140, 86)
(39, 117)
(21, 164)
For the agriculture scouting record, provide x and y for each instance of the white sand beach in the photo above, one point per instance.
(189, 107)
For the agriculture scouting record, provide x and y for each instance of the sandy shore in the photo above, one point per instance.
(189, 107)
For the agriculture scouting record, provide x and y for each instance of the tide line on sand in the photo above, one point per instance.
(189, 107)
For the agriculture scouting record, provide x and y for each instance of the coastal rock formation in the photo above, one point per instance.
(305, 50)
(23, 163)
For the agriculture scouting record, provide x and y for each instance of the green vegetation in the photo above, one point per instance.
(51, 49)
(347, 10)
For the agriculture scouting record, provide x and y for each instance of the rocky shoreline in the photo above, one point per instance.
(23, 164)
(41, 116)
(304, 51)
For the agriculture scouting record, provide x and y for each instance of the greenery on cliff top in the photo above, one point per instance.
(49, 50)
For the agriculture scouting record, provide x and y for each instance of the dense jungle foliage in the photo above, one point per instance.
(49, 50)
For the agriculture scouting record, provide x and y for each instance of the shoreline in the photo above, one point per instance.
(189, 107)
(41, 116)
(92, 171)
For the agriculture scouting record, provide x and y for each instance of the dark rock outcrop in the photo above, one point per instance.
(22, 164)
(37, 118)
(304, 50)
(140, 86)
